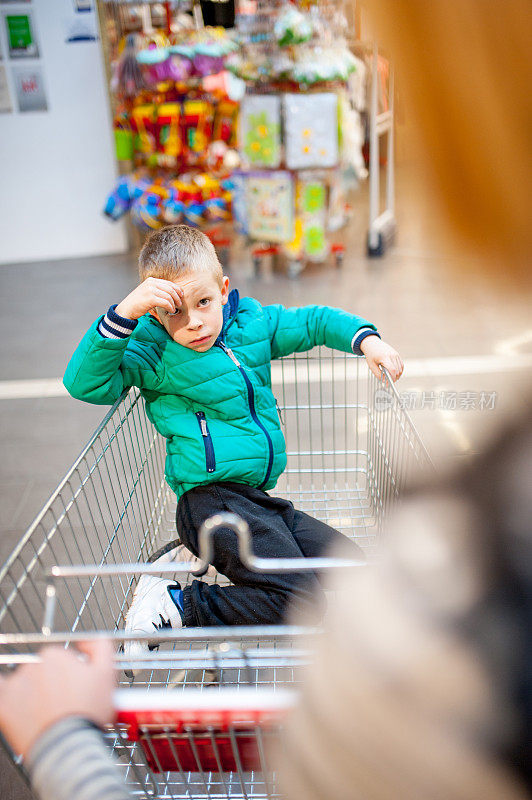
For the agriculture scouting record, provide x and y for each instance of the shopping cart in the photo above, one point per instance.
(181, 730)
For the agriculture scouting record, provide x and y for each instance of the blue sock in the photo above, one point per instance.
(176, 593)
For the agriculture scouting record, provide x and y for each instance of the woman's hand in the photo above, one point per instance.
(64, 683)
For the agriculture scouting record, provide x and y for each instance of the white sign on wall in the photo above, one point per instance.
(29, 88)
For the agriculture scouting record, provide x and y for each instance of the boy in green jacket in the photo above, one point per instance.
(201, 357)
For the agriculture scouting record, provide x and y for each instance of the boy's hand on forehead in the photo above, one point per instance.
(151, 293)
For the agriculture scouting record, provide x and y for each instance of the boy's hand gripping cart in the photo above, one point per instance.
(207, 704)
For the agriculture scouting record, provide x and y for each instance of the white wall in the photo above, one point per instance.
(56, 167)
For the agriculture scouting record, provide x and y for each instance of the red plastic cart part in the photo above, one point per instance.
(195, 730)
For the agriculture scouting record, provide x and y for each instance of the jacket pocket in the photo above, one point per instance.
(210, 460)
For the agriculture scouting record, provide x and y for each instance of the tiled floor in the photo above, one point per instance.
(432, 320)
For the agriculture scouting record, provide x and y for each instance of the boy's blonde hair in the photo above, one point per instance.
(176, 250)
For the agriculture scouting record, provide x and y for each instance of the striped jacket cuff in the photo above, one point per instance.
(359, 337)
(70, 760)
(113, 326)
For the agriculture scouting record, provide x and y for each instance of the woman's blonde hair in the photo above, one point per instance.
(465, 70)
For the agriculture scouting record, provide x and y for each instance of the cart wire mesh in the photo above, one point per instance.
(351, 449)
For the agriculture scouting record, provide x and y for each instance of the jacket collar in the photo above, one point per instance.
(229, 312)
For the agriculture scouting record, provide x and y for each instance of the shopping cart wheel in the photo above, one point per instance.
(338, 251)
(377, 250)
(295, 268)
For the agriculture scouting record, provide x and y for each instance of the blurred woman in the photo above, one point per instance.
(422, 683)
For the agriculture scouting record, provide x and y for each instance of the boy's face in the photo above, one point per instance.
(199, 320)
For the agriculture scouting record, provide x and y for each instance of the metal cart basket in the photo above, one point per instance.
(181, 730)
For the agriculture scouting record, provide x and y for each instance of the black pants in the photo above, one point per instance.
(277, 531)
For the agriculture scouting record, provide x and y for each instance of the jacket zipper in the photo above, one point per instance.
(251, 401)
(207, 441)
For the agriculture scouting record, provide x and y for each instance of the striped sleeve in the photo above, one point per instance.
(70, 760)
(359, 337)
(113, 326)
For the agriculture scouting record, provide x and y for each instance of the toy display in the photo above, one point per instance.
(293, 48)
(296, 64)
(195, 199)
(270, 201)
(127, 190)
(311, 130)
(147, 59)
(128, 76)
(254, 127)
(292, 27)
(239, 202)
(260, 130)
(225, 122)
(312, 208)
(175, 124)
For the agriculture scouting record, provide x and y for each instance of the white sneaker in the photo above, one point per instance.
(157, 604)
(157, 601)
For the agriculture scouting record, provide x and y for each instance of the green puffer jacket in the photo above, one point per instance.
(216, 409)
